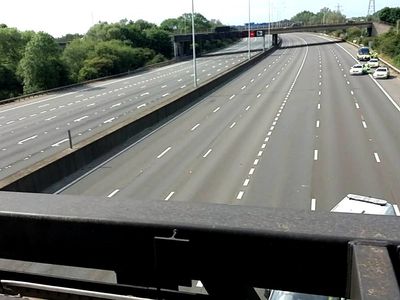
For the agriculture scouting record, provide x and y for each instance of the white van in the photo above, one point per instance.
(355, 204)
(364, 205)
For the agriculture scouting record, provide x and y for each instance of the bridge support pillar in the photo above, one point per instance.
(178, 50)
(274, 39)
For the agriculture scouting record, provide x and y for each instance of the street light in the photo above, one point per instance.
(248, 36)
(194, 48)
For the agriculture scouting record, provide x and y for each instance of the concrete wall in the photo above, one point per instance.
(49, 171)
(379, 28)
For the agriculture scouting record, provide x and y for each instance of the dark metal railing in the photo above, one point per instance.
(156, 246)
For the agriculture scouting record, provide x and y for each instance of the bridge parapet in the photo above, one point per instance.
(161, 245)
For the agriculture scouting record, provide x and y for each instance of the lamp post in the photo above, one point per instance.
(248, 37)
(269, 21)
(194, 48)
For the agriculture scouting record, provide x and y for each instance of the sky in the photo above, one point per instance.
(77, 16)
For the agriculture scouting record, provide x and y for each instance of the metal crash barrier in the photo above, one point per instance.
(157, 247)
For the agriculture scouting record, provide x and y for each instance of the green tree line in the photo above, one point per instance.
(324, 16)
(32, 62)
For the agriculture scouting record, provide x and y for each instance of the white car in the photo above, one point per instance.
(357, 69)
(373, 63)
(382, 72)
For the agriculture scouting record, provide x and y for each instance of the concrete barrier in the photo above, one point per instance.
(49, 171)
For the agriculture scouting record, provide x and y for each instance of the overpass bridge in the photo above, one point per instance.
(182, 41)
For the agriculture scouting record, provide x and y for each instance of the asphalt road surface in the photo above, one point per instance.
(296, 131)
(35, 129)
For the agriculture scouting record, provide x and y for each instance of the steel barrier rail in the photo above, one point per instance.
(156, 246)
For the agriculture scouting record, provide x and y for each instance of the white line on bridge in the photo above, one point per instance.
(141, 105)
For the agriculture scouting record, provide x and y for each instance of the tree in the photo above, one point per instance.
(9, 83)
(303, 17)
(12, 45)
(389, 15)
(160, 41)
(74, 56)
(41, 67)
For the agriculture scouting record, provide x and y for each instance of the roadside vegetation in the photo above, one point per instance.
(386, 45)
(32, 62)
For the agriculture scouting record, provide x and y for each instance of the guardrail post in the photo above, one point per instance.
(70, 138)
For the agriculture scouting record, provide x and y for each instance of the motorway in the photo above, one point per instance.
(35, 129)
(296, 131)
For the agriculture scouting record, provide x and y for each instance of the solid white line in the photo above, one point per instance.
(44, 105)
(113, 193)
(251, 172)
(246, 182)
(364, 124)
(164, 152)
(27, 139)
(233, 124)
(315, 154)
(194, 127)
(217, 109)
(208, 152)
(378, 160)
(169, 196)
(240, 195)
(313, 204)
(396, 209)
